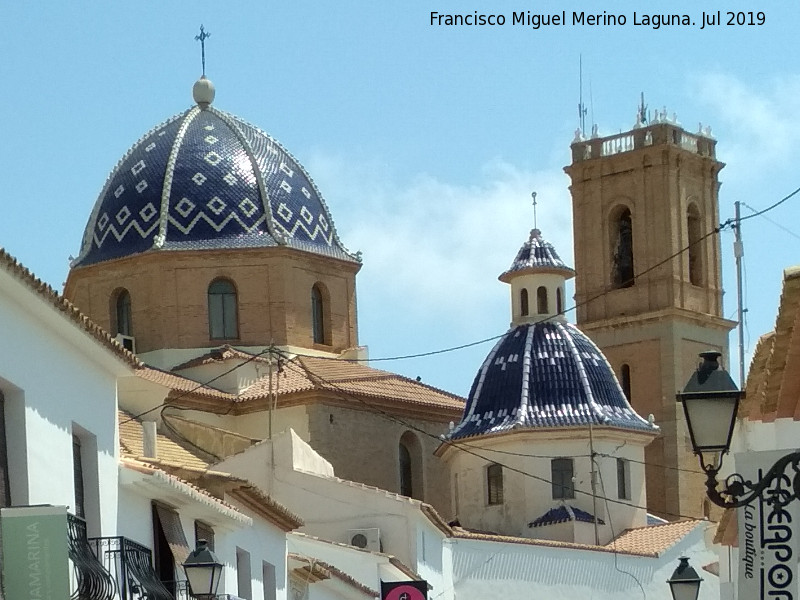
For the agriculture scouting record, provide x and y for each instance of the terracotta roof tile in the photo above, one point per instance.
(318, 569)
(301, 374)
(216, 355)
(644, 541)
(168, 450)
(10, 264)
(653, 539)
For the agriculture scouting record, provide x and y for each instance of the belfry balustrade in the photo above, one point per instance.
(710, 402)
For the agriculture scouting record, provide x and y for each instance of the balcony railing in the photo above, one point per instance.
(131, 567)
(89, 580)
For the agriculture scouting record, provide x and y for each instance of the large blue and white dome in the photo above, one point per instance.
(206, 179)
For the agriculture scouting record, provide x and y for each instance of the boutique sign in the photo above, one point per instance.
(768, 534)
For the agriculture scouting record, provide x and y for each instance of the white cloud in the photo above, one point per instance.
(755, 122)
(432, 242)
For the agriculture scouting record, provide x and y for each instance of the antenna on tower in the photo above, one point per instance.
(642, 110)
(533, 195)
(581, 107)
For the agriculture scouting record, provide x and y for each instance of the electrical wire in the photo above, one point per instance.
(614, 538)
(197, 387)
(344, 395)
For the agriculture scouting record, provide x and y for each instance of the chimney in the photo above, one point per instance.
(149, 447)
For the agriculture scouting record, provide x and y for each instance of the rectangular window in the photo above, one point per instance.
(494, 484)
(562, 474)
(77, 477)
(5, 487)
(268, 577)
(243, 577)
(623, 479)
(205, 532)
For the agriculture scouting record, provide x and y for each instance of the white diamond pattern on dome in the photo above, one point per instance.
(214, 198)
(185, 207)
(123, 215)
(216, 205)
(148, 212)
(213, 158)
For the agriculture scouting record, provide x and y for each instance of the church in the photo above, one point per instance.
(248, 411)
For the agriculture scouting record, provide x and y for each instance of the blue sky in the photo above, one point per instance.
(425, 141)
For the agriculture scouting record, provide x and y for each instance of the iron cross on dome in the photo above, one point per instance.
(202, 39)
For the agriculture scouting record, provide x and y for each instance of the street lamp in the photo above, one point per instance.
(203, 572)
(684, 583)
(710, 402)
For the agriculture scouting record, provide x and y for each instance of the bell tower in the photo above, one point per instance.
(648, 283)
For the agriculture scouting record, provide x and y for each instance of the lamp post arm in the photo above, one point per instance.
(777, 487)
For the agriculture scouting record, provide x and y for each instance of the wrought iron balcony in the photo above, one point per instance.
(131, 566)
(90, 580)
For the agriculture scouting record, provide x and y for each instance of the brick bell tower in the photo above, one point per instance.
(639, 199)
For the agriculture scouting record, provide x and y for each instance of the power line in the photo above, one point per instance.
(198, 386)
(457, 445)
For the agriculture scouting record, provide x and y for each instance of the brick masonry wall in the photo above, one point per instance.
(170, 306)
(364, 446)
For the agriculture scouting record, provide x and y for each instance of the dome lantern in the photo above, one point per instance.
(537, 278)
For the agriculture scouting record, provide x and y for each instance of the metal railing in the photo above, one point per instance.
(131, 566)
(89, 580)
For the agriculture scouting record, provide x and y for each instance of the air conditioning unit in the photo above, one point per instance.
(127, 341)
(368, 539)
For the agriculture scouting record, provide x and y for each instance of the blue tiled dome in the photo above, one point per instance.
(539, 255)
(205, 179)
(543, 375)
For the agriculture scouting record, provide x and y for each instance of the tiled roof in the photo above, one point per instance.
(186, 487)
(48, 294)
(180, 460)
(168, 450)
(546, 374)
(644, 541)
(654, 539)
(537, 255)
(563, 514)
(773, 384)
(341, 379)
(217, 355)
(318, 569)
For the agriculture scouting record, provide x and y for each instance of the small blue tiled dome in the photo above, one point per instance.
(205, 179)
(544, 375)
(537, 255)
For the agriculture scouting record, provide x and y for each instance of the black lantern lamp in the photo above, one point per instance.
(203, 572)
(685, 582)
(710, 401)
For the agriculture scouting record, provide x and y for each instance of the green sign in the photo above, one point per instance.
(35, 560)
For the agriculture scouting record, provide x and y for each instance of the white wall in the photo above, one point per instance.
(487, 570)
(57, 380)
(527, 488)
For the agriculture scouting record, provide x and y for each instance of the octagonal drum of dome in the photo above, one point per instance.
(205, 179)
